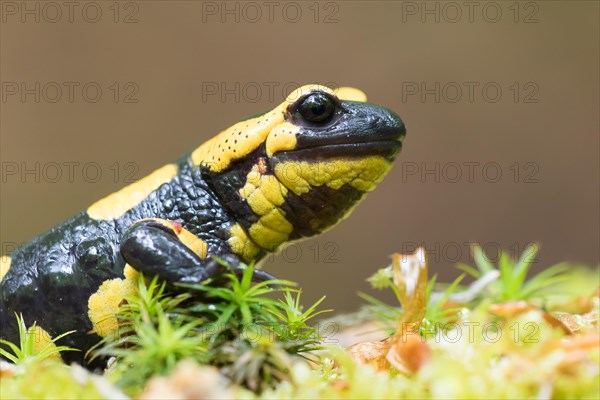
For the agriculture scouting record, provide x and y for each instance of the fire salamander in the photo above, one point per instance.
(288, 174)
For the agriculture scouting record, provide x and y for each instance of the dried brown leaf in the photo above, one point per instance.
(408, 354)
(405, 351)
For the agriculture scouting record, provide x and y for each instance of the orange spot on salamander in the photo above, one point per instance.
(262, 165)
(177, 227)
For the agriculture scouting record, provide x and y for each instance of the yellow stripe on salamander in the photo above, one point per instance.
(265, 194)
(240, 243)
(362, 174)
(115, 205)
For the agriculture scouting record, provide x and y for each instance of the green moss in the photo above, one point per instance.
(242, 328)
(500, 340)
(51, 379)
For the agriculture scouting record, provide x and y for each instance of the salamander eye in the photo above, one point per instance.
(317, 107)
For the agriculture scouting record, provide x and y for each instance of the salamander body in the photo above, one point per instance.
(287, 174)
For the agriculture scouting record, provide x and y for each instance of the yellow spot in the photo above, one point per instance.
(362, 174)
(118, 203)
(237, 141)
(281, 138)
(42, 340)
(259, 203)
(103, 306)
(265, 194)
(266, 237)
(247, 190)
(350, 94)
(194, 243)
(241, 245)
(4, 266)
(276, 221)
(262, 192)
(273, 190)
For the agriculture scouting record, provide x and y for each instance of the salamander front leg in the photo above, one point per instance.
(164, 248)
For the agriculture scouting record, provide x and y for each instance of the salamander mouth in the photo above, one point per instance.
(384, 148)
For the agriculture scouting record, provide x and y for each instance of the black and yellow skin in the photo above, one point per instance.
(288, 174)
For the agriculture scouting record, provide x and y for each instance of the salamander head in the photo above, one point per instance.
(298, 169)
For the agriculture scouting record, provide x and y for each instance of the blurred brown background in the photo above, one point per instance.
(497, 88)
